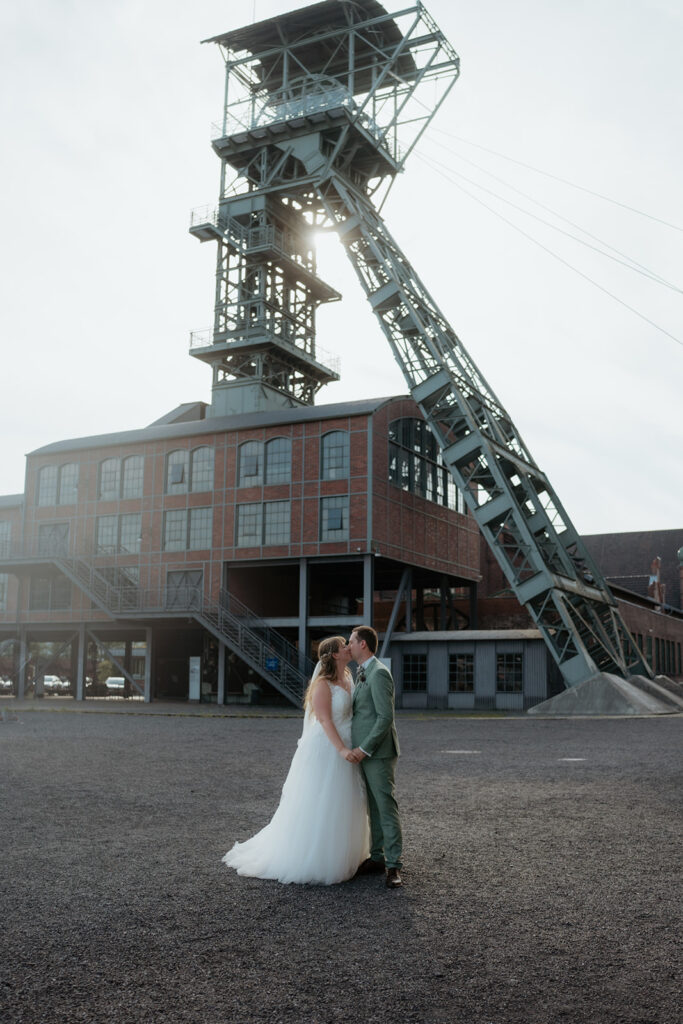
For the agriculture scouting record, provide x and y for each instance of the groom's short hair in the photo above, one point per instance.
(368, 634)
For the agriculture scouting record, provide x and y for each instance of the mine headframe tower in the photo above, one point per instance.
(322, 108)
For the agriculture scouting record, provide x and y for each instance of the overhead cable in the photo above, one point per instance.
(649, 273)
(565, 181)
(555, 255)
(627, 262)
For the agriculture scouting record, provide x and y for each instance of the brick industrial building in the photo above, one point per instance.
(298, 522)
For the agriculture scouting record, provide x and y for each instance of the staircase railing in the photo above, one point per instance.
(242, 630)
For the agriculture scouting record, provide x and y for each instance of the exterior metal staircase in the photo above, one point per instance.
(260, 646)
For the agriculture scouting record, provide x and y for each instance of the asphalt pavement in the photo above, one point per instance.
(542, 874)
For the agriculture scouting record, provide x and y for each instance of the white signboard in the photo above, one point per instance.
(195, 678)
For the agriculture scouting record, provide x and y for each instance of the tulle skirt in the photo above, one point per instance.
(320, 831)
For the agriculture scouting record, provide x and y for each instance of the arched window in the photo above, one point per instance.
(133, 472)
(177, 471)
(334, 455)
(201, 471)
(279, 461)
(47, 485)
(250, 465)
(110, 476)
(68, 484)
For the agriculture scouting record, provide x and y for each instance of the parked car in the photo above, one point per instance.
(5, 685)
(52, 684)
(115, 685)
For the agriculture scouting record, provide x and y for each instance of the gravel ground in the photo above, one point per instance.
(538, 887)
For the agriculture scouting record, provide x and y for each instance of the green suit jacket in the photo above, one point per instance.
(373, 727)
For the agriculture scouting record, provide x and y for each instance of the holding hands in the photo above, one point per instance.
(355, 756)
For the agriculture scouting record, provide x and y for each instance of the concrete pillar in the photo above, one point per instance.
(368, 589)
(23, 658)
(81, 658)
(148, 665)
(220, 669)
(303, 610)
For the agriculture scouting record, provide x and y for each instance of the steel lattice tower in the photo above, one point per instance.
(322, 108)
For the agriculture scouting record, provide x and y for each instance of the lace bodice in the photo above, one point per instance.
(342, 712)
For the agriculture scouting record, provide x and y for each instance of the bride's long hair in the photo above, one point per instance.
(327, 666)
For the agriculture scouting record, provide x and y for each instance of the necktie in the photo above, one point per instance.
(361, 676)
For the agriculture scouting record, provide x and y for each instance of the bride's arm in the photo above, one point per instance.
(322, 707)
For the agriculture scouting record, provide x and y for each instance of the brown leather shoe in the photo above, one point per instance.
(371, 867)
(394, 880)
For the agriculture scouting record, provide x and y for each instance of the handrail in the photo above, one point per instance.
(276, 640)
(277, 659)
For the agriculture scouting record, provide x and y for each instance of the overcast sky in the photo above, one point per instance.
(106, 148)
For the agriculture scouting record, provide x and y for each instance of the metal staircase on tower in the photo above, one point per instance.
(322, 108)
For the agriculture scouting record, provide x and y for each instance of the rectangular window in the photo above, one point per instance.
(133, 473)
(49, 592)
(202, 469)
(68, 484)
(276, 522)
(250, 468)
(335, 455)
(200, 529)
(4, 585)
(129, 537)
(5, 534)
(278, 461)
(414, 673)
(248, 529)
(176, 471)
(334, 517)
(47, 486)
(175, 529)
(110, 474)
(461, 673)
(509, 673)
(107, 528)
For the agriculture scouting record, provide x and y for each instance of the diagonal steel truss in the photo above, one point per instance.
(514, 504)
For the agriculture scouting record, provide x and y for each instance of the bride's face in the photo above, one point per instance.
(343, 655)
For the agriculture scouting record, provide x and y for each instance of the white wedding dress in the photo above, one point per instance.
(320, 831)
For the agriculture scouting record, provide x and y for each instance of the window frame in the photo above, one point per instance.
(327, 506)
(466, 684)
(331, 467)
(410, 659)
(516, 683)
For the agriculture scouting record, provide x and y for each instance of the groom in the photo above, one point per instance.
(376, 747)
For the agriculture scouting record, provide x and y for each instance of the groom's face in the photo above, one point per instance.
(357, 648)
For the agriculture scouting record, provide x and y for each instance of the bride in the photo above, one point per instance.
(319, 833)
